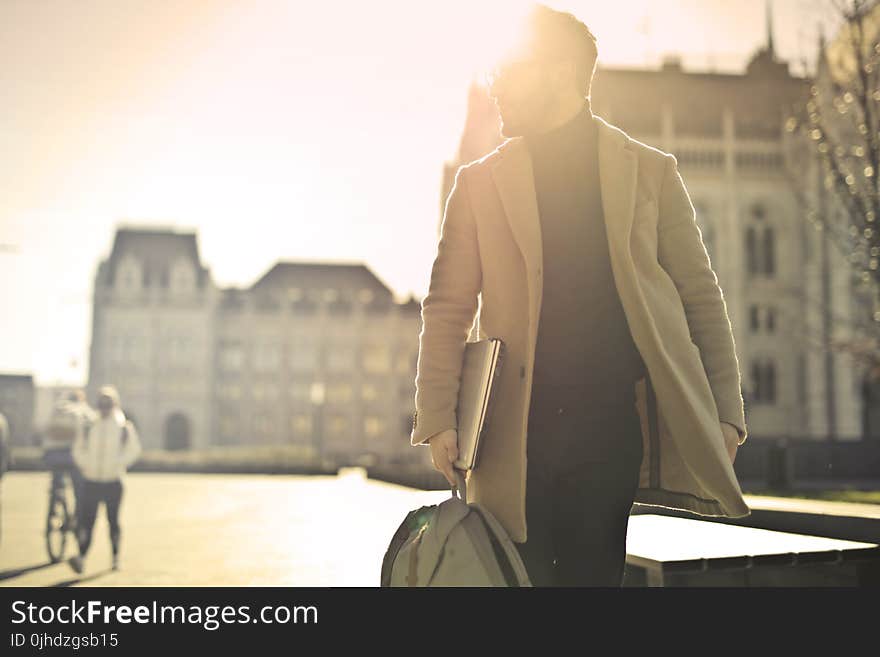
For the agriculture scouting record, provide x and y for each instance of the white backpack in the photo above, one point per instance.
(452, 544)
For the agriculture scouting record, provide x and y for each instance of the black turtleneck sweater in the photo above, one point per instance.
(583, 334)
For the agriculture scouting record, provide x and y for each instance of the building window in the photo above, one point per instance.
(758, 161)
(264, 392)
(760, 245)
(763, 373)
(302, 301)
(700, 158)
(183, 278)
(340, 358)
(300, 391)
(267, 357)
(377, 358)
(379, 305)
(340, 308)
(317, 393)
(304, 356)
(754, 318)
(404, 361)
(751, 250)
(369, 392)
(338, 425)
(301, 426)
(374, 426)
(264, 425)
(762, 318)
(339, 393)
(231, 356)
(228, 428)
(265, 303)
(769, 251)
(229, 391)
(339, 305)
(129, 275)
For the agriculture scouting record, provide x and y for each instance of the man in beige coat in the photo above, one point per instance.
(490, 266)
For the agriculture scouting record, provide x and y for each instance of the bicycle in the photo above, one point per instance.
(61, 517)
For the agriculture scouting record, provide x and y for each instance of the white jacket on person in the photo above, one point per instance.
(69, 419)
(101, 454)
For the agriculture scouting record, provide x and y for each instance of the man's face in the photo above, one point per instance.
(525, 92)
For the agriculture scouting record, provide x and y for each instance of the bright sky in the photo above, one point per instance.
(294, 130)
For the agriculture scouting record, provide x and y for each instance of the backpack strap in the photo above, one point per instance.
(505, 544)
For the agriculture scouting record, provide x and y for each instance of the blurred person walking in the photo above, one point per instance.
(71, 417)
(103, 454)
(582, 246)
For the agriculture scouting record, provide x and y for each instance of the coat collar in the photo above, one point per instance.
(514, 178)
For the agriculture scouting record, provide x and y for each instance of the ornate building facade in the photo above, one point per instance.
(312, 354)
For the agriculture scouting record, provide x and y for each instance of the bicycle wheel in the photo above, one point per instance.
(57, 526)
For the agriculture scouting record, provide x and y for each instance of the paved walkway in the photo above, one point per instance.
(248, 530)
(217, 530)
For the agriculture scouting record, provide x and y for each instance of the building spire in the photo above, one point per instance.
(770, 28)
(821, 61)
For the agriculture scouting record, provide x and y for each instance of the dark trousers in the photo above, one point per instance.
(93, 493)
(584, 450)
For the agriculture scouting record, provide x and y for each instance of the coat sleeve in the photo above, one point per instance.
(448, 312)
(132, 448)
(683, 255)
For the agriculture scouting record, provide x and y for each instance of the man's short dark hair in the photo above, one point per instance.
(560, 35)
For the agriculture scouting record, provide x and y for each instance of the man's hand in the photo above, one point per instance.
(444, 451)
(731, 439)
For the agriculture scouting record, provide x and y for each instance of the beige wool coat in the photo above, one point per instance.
(487, 276)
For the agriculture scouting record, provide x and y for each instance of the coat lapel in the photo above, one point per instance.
(618, 168)
(514, 179)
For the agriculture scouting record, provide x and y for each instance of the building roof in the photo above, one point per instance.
(759, 99)
(303, 274)
(156, 250)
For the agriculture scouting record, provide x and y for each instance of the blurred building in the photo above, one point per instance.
(311, 354)
(152, 335)
(316, 354)
(17, 405)
(728, 134)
